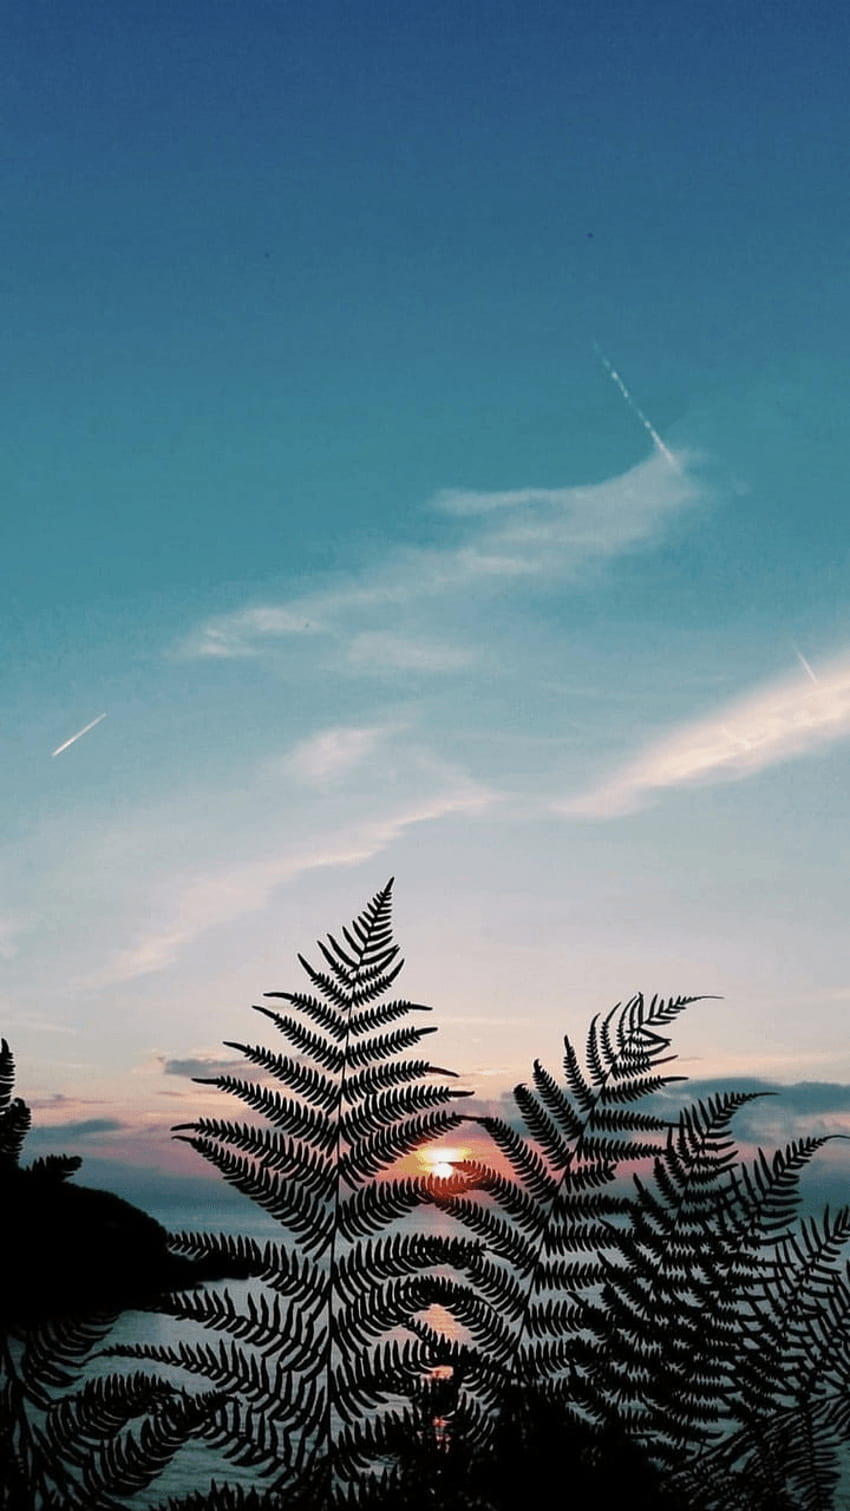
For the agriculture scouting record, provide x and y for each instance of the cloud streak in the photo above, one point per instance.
(381, 651)
(49, 1133)
(787, 719)
(636, 409)
(201, 1067)
(78, 736)
(331, 755)
(11, 925)
(218, 898)
(510, 537)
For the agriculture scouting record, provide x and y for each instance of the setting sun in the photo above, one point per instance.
(441, 1162)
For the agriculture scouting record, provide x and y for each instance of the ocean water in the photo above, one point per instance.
(196, 1464)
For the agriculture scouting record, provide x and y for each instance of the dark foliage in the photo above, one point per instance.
(319, 1360)
(72, 1260)
(636, 1313)
(686, 1308)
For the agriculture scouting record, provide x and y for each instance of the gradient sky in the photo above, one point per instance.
(320, 487)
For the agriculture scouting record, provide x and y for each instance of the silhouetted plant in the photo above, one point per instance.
(72, 1260)
(636, 1298)
(318, 1371)
(694, 1314)
(548, 1223)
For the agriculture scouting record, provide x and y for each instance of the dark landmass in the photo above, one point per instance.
(74, 1250)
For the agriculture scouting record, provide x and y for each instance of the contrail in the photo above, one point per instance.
(805, 665)
(78, 736)
(636, 409)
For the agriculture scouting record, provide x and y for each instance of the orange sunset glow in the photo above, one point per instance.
(441, 1162)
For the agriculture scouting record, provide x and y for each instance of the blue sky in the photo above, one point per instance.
(319, 487)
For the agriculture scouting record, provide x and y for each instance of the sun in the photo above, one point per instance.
(441, 1163)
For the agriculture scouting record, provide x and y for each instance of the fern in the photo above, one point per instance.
(549, 1222)
(321, 1349)
(623, 1288)
(721, 1331)
(791, 1385)
(695, 1314)
(68, 1442)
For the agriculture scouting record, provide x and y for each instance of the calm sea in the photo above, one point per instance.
(196, 1464)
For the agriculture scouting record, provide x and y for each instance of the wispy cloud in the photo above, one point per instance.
(511, 537)
(385, 651)
(21, 1018)
(85, 1128)
(202, 1066)
(218, 898)
(245, 632)
(326, 757)
(11, 925)
(787, 719)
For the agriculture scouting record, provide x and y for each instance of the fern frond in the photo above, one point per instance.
(520, 1207)
(766, 1192)
(263, 1323)
(347, 1105)
(327, 1018)
(367, 1264)
(385, 1046)
(102, 1407)
(307, 1080)
(377, 1151)
(282, 1111)
(543, 1129)
(303, 1081)
(55, 1350)
(386, 1108)
(128, 1463)
(298, 1210)
(310, 1041)
(279, 1154)
(15, 1124)
(265, 1384)
(523, 1158)
(7, 1074)
(372, 1208)
(365, 1020)
(556, 1102)
(373, 1079)
(277, 1265)
(291, 1117)
(224, 1498)
(500, 1235)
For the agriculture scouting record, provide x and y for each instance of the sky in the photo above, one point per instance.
(426, 454)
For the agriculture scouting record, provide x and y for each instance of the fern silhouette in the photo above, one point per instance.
(548, 1223)
(68, 1443)
(321, 1367)
(629, 1289)
(695, 1315)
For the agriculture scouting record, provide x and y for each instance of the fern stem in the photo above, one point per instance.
(379, 905)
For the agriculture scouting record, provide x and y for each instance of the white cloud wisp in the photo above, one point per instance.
(218, 898)
(786, 719)
(327, 757)
(512, 536)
